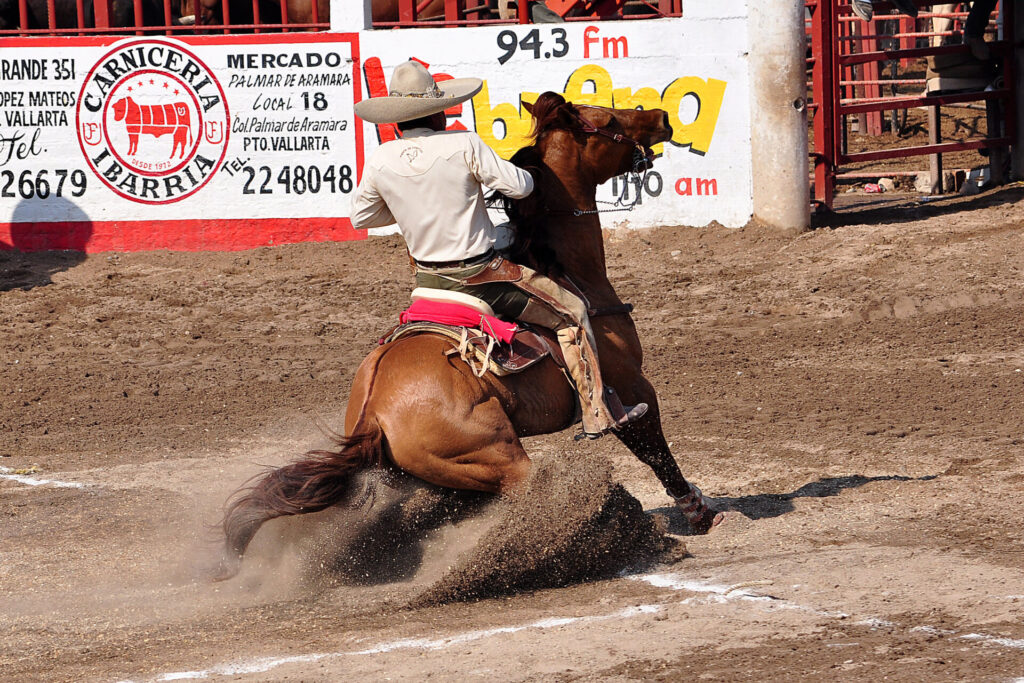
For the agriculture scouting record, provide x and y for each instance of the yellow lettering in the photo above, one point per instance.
(697, 133)
(598, 78)
(516, 124)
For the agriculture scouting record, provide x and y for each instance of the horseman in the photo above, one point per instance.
(430, 182)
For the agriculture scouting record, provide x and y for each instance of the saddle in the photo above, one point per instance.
(482, 352)
(476, 344)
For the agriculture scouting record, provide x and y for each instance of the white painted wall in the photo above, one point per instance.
(694, 67)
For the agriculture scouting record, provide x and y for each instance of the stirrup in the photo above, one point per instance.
(622, 415)
(632, 414)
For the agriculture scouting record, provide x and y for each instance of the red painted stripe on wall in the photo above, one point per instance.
(190, 235)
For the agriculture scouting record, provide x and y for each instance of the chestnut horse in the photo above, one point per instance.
(414, 407)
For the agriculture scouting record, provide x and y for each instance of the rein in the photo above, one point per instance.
(588, 127)
(642, 157)
(610, 310)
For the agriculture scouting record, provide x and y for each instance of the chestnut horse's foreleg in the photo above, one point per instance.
(646, 440)
(644, 437)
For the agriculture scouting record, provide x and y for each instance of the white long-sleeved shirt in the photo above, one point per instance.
(430, 183)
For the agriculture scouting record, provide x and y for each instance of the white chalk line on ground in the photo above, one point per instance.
(717, 593)
(8, 473)
(265, 664)
(708, 593)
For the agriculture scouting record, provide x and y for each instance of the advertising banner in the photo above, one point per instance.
(151, 142)
(695, 69)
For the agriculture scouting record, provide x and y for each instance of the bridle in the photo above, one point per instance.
(643, 157)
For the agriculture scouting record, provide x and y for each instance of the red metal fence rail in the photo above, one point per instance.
(88, 17)
(845, 54)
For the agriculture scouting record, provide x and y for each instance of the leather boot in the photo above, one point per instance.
(595, 414)
(600, 406)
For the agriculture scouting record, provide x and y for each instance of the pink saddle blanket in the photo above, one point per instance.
(458, 316)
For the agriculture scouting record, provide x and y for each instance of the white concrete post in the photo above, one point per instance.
(778, 114)
(350, 16)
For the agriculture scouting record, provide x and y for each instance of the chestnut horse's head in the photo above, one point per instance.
(606, 142)
(576, 148)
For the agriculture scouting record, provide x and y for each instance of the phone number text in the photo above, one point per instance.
(42, 184)
(298, 180)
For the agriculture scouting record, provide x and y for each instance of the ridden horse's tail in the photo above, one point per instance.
(317, 481)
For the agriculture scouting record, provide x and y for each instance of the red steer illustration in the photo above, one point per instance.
(155, 120)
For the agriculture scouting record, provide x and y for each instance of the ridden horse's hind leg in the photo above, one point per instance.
(442, 424)
(475, 449)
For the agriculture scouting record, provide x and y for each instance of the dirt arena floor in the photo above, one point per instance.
(856, 394)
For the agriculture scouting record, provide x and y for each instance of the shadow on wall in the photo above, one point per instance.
(38, 250)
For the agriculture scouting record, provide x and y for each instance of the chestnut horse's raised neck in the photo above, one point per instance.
(416, 408)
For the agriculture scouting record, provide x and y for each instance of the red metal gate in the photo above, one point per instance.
(840, 43)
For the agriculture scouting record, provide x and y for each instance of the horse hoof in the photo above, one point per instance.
(697, 511)
(706, 522)
(226, 569)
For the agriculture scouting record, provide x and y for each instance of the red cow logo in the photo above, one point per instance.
(155, 120)
(159, 90)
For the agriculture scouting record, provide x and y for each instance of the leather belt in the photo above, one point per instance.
(464, 263)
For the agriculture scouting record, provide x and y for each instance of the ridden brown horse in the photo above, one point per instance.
(416, 408)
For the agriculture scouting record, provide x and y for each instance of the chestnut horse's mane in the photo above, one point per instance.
(529, 216)
(547, 115)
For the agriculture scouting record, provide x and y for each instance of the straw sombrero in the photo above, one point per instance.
(414, 93)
